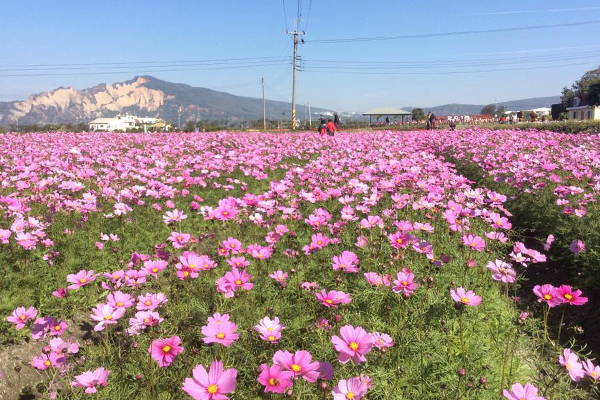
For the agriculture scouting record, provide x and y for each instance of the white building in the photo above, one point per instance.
(121, 123)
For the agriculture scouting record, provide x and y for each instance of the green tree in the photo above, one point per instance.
(418, 114)
(490, 109)
(587, 86)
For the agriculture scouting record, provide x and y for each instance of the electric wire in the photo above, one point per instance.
(454, 33)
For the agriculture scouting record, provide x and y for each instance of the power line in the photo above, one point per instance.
(537, 11)
(140, 62)
(284, 15)
(455, 33)
(308, 17)
(338, 71)
(140, 72)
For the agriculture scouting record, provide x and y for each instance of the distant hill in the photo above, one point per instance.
(144, 96)
(469, 109)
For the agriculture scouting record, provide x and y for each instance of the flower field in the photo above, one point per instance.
(264, 266)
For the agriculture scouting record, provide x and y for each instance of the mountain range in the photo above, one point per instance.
(146, 96)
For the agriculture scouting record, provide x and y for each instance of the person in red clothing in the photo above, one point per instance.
(331, 127)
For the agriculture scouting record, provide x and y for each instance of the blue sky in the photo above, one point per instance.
(80, 32)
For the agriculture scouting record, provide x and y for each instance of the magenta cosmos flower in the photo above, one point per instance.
(354, 343)
(274, 379)
(165, 350)
(567, 295)
(468, 298)
(211, 385)
(520, 392)
(299, 364)
(20, 316)
(220, 330)
(347, 262)
(90, 379)
(353, 388)
(474, 242)
(81, 278)
(404, 283)
(547, 294)
(333, 298)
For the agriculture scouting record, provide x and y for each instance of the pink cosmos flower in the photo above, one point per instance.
(571, 362)
(153, 267)
(238, 262)
(232, 245)
(405, 283)
(269, 329)
(174, 216)
(567, 295)
(326, 371)
(46, 361)
(165, 350)
(382, 341)
(220, 330)
(239, 279)
(591, 370)
(577, 246)
(105, 315)
(211, 385)
(119, 299)
(20, 316)
(333, 298)
(502, 271)
(151, 301)
(142, 320)
(353, 388)
(520, 392)
(274, 379)
(81, 278)
(60, 293)
(280, 277)
(547, 294)
(299, 364)
(5, 236)
(318, 241)
(58, 328)
(347, 262)
(179, 240)
(467, 298)
(90, 379)
(354, 344)
(401, 239)
(474, 242)
(549, 241)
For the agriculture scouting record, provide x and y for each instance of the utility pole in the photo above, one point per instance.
(264, 106)
(295, 36)
(309, 117)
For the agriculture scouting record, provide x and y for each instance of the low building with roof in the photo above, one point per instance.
(396, 114)
(582, 109)
(124, 122)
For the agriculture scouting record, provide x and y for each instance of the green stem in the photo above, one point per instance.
(560, 324)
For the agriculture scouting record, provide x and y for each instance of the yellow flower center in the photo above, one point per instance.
(238, 282)
(319, 242)
(568, 296)
(349, 395)
(192, 266)
(120, 304)
(329, 301)
(148, 302)
(186, 273)
(464, 300)
(179, 238)
(271, 338)
(296, 368)
(83, 280)
(146, 320)
(568, 366)
(472, 244)
(232, 245)
(270, 328)
(404, 283)
(594, 374)
(22, 317)
(57, 328)
(547, 297)
(399, 241)
(155, 270)
(47, 363)
(220, 335)
(273, 382)
(353, 345)
(108, 317)
(115, 277)
(166, 349)
(212, 389)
